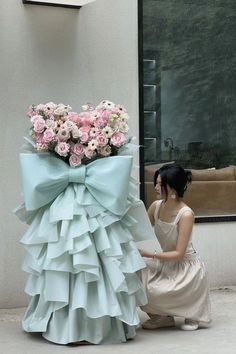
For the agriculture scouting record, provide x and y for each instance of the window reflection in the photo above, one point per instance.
(189, 104)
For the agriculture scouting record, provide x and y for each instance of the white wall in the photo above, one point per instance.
(61, 55)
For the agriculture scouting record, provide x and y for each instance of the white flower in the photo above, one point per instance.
(49, 108)
(87, 107)
(124, 117)
(114, 117)
(75, 132)
(62, 109)
(68, 125)
(108, 131)
(106, 104)
(92, 145)
(63, 134)
(123, 127)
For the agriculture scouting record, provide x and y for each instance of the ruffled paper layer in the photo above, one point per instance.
(83, 266)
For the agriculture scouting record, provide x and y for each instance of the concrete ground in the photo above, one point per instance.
(219, 339)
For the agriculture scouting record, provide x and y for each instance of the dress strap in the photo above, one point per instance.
(181, 212)
(158, 205)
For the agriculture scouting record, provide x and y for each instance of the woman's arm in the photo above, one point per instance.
(151, 212)
(185, 230)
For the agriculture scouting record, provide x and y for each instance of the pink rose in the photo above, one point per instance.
(39, 138)
(100, 123)
(78, 149)
(118, 139)
(39, 125)
(102, 140)
(48, 135)
(74, 117)
(85, 129)
(105, 114)
(62, 149)
(74, 160)
(85, 119)
(84, 134)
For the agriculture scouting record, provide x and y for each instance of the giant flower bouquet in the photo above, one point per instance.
(82, 225)
(78, 138)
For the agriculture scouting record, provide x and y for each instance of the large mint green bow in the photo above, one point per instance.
(44, 177)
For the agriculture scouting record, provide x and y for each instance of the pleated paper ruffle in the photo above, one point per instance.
(83, 265)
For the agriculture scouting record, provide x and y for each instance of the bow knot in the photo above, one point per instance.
(77, 175)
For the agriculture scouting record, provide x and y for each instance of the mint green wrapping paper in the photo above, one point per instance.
(80, 249)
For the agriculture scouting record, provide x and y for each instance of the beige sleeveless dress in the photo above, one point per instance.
(176, 288)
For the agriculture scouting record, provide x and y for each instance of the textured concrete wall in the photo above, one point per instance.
(61, 55)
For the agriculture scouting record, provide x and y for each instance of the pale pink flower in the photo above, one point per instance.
(84, 137)
(35, 117)
(78, 149)
(89, 153)
(94, 132)
(102, 140)
(84, 134)
(105, 150)
(39, 125)
(50, 124)
(105, 114)
(93, 144)
(118, 139)
(63, 134)
(40, 107)
(120, 108)
(48, 135)
(74, 160)
(62, 149)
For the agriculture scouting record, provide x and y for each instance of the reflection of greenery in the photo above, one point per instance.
(197, 38)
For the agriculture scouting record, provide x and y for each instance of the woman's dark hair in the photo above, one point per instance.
(175, 176)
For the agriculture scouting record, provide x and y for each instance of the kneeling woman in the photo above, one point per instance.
(175, 279)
